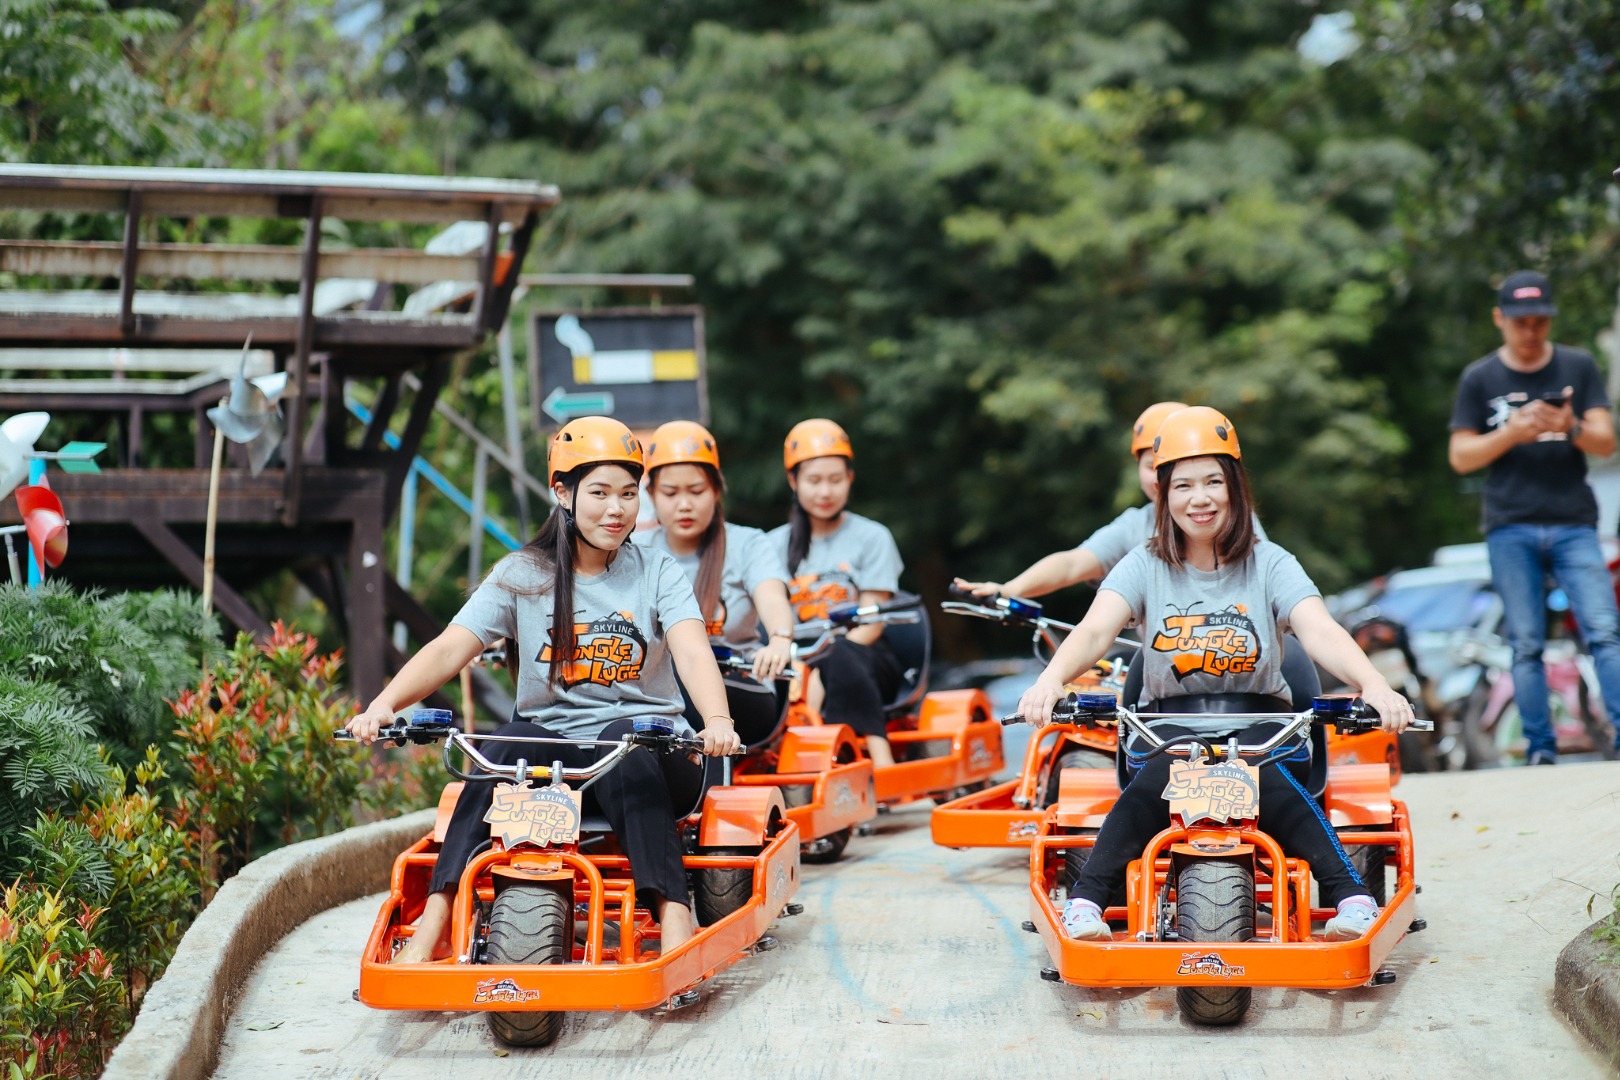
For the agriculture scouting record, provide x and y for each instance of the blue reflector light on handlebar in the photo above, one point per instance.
(722, 653)
(843, 614)
(433, 716)
(1024, 609)
(1094, 702)
(654, 725)
(1333, 703)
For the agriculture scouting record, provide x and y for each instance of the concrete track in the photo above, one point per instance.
(909, 962)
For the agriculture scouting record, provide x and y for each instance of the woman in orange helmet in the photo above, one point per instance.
(597, 629)
(839, 557)
(1212, 600)
(736, 571)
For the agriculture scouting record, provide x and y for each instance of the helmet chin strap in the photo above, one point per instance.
(573, 528)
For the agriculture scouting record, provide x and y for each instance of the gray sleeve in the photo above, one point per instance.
(880, 563)
(1286, 583)
(1114, 541)
(672, 591)
(760, 560)
(491, 611)
(1129, 580)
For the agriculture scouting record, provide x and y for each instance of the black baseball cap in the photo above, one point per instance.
(1525, 292)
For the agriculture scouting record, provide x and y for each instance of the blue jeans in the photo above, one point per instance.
(1521, 558)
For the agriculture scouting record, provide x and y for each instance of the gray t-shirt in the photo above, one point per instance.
(1215, 631)
(621, 666)
(1129, 530)
(751, 560)
(859, 556)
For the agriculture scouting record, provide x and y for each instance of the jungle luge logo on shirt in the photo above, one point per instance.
(813, 595)
(716, 626)
(1218, 643)
(607, 651)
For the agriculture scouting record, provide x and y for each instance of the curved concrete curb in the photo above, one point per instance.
(176, 1036)
(1586, 988)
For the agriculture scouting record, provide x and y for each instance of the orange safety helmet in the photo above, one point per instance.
(682, 442)
(591, 440)
(1199, 431)
(812, 439)
(1147, 425)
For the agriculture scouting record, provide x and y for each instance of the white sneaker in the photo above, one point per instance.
(1083, 921)
(1356, 916)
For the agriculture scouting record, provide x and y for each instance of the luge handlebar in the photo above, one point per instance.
(435, 728)
(1103, 709)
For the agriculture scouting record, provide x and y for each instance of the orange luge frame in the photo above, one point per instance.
(620, 977)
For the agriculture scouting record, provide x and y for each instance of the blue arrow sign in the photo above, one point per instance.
(563, 407)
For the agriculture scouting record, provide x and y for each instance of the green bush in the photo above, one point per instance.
(118, 659)
(105, 860)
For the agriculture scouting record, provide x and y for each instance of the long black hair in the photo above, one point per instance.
(799, 522)
(711, 545)
(552, 553)
(1236, 538)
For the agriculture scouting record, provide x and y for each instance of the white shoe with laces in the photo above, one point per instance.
(1356, 916)
(1083, 921)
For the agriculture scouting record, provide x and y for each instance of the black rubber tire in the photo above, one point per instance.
(1597, 726)
(1418, 753)
(1214, 903)
(1074, 860)
(1479, 746)
(1075, 758)
(839, 841)
(717, 893)
(529, 925)
(1369, 861)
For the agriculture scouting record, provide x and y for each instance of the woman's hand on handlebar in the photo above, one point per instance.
(772, 660)
(1036, 704)
(978, 588)
(365, 726)
(719, 737)
(1393, 709)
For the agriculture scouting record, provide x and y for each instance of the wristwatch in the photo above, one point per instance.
(1575, 430)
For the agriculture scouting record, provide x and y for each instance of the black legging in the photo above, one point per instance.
(1287, 812)
(859, 680)
(754, 707)
(642, 797)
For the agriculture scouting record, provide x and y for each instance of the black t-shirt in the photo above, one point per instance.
(1542, 482)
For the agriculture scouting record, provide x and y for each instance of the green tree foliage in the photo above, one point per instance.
(983, 236)
(73, 90)
(112, 661)
(1519, 108)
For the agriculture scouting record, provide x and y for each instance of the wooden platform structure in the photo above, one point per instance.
(102, 318)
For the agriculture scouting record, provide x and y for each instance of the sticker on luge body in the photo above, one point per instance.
(1201, 791)
(539, 816)
(1208, 964)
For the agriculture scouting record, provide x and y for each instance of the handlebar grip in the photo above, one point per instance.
(954, 593)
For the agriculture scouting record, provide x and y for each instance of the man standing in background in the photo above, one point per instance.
(1531, 411)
